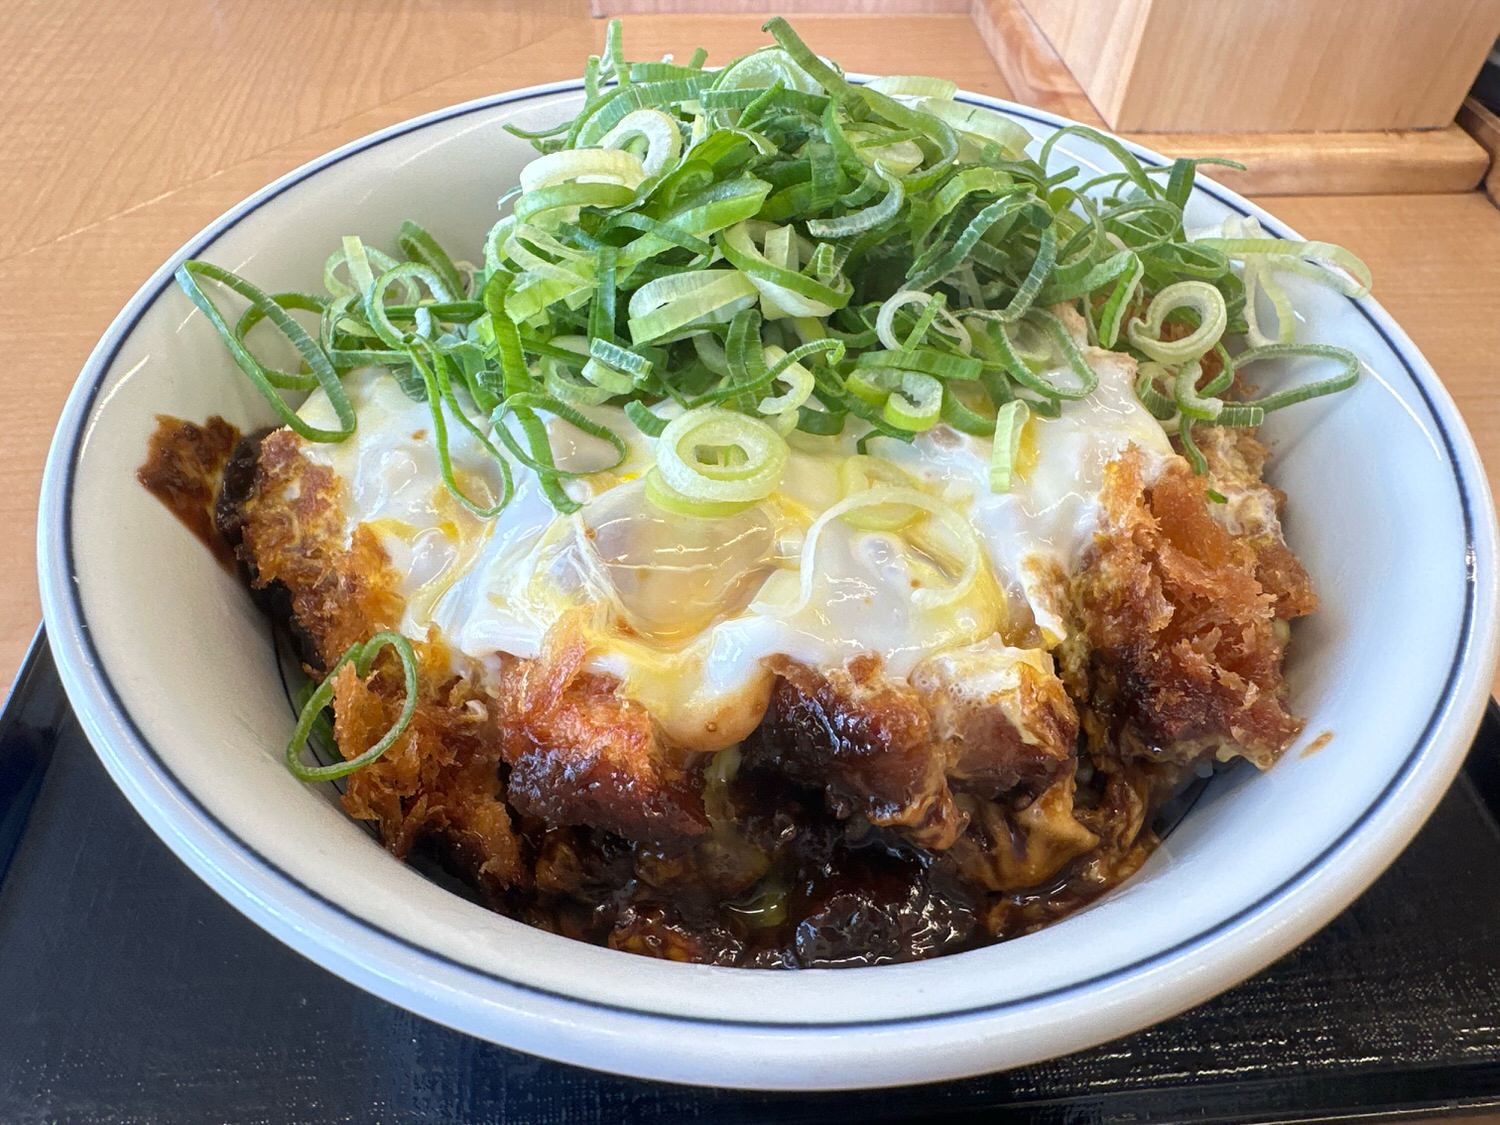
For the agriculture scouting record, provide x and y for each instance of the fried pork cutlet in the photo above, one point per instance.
(869, 817)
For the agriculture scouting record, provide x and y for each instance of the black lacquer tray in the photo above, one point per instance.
(129, 992)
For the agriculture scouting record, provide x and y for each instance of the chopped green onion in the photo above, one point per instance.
(799, 382)
(539, 457)
(1199, 297)
(1189, 402)
(908, 400)
(1317, 389)
(668, 499)
(440, 402)
(683, 300)
(362, 655)
(715, 455)
(187, 277)
(913, 86)
(1087, 378)
(772, 243)
(254, 314)
(409, 273)
(980, 123)
(963, 417)
(1010, 423)
(644, 420)
(959, 546)
(871, 218)
(660, 131)
(1190, 448)
(422, 248)
(859, 474)
(1162, 407)
(1288, 254)
(794, 293)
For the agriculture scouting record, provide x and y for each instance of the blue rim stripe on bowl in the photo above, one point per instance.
(98, 368)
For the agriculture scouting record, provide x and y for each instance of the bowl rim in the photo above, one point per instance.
(232, 864)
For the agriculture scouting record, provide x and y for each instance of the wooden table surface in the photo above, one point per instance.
(126, 127)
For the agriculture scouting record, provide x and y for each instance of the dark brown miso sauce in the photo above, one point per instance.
(184, 464)
(785, 881)
(829, 894)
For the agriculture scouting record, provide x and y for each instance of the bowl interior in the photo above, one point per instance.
(1374, 512)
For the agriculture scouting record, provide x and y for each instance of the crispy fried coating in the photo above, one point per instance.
(567, 804)
(1252, 511)
(979, 720)
(578, 753)
(581, 754)
(864, 738)
(292, 525)
(1183, 649)
(440, 781)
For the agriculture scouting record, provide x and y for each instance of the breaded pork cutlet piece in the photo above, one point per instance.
(1180, 631)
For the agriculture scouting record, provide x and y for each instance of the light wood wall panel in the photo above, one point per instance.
(778, 7)
(1272, 65)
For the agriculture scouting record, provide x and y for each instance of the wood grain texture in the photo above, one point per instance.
(1272, 65)
(1029, 63)
(1394, 163)
(777, 7)
(1096, 43)
(1347, 163)
(1483, 124)
(110, 105)
(1435, 258)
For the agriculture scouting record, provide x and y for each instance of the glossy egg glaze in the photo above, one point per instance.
(683, 610)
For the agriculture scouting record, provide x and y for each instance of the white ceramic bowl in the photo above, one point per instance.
(172, 675)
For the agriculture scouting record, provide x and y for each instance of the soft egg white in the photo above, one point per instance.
(684, 611)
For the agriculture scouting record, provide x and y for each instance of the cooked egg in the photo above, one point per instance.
(685, 610)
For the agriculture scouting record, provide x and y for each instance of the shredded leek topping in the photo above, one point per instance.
(944, 534)
(312, 723)
(777, 248)
(729, 255)
(1009, 425)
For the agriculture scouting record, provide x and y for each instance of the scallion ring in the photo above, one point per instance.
(962, 546)
(1284, 253)
(254, 314)
(908, 400)
(1199, 297)
(362, 656)
(187, 277)
(716, 455)
(859, 474)
(1010, 425)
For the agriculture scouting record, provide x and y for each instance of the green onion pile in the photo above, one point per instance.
(773, 247)
(768, 247)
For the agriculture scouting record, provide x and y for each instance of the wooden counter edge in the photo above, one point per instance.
(1483, 124)
(1374, 163)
